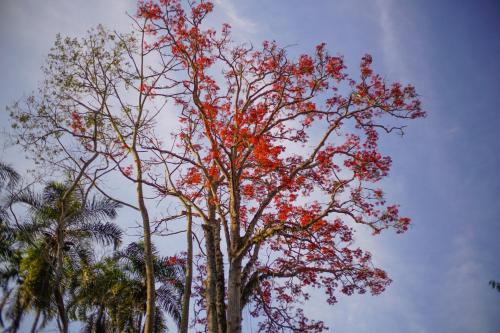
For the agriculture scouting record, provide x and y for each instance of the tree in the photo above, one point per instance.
(280, 156)
(277, 157)
(9, 257)
(8, 178)
(56, 241)
(111, 296)
(94, 113)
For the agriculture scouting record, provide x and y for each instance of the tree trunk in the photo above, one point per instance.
(220, 290)
(189, 275)
(61, 310)
(35, 322)
(148, 256)
(234, 288)
(210, 289)
(234, 298)
(58, 292)
(150, 284)
(100, 326)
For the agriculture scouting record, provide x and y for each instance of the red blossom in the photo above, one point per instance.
(264, 136)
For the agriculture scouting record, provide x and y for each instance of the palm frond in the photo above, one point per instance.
(53, 211)
(169, 301)
(4, 216)
(15, 312)
(9, 270)
(159, 325)
(37, 273)
(133, 251)
(3, 301)
(99, 209)
(169, 272)
(133, 258)
(31, 230)
(105, 233)
(27, 196)
(79, 253)
(8, 176)
(54, 191)
(7, 238)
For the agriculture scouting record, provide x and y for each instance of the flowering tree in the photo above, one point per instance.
(280, 159)
(277, 157)
(93, 114)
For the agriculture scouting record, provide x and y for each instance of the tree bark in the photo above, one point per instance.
(210, 289)
(234, 289)
(58, 293)
(189, 275)
(62, 311)
(220, 290)
(234, 297)
(148, 256)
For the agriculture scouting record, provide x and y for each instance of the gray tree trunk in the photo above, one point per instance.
(210, 293)
(189, 274)
(148, 255)
(234, 298)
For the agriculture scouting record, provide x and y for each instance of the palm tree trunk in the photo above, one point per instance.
(100, 322)
(58, 293)
(189, 275)
(35, 322)
(62, 311)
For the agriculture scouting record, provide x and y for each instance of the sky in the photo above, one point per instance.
(446, 169)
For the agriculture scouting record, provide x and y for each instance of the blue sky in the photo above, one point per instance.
(446, 168)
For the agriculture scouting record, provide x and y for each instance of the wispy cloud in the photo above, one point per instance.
(453, 130)
(236, 19)
(389, 39)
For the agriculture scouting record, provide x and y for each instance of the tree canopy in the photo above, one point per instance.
(273, 161)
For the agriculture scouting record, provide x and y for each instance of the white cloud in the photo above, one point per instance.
(236, 20)
(453, 130)
(389, 39)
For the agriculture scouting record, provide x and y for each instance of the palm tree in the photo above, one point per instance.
(57, 241)
(112, 294)
(168, 275)
(8, 179)
(9, 258)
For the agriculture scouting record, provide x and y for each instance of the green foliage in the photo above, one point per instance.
(111, 295)
(59, 217)
(8, 179)
(108, 295)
